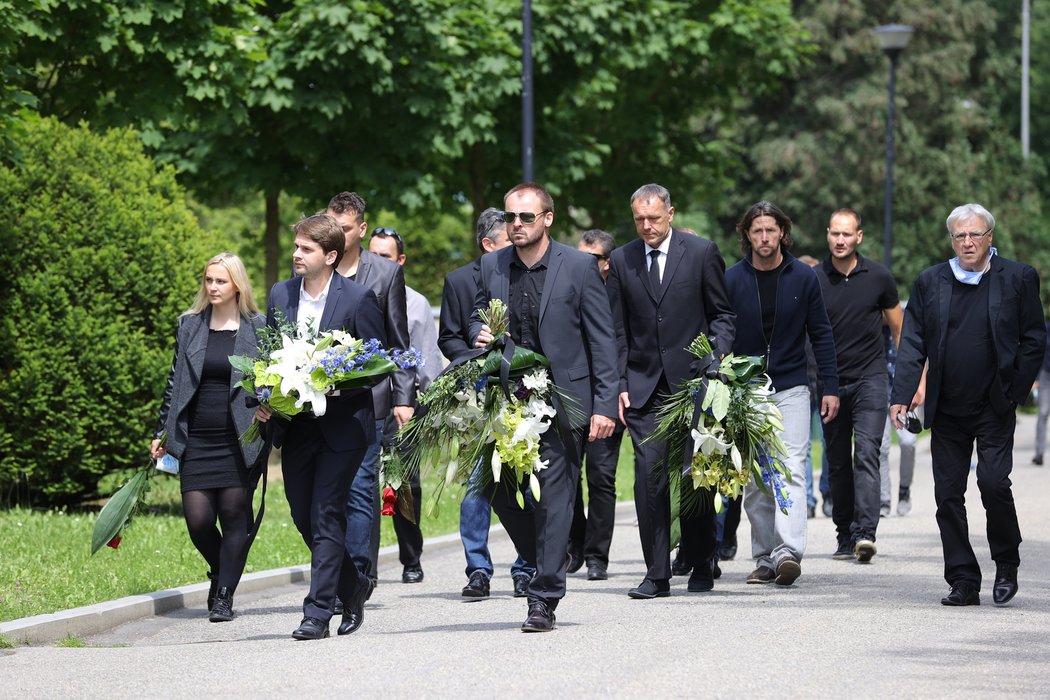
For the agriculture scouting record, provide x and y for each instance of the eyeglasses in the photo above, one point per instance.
(972, 235)
(527, 217)
(384, 232)
(599, 256)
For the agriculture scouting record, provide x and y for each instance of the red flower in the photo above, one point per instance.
(389, 498)
(114, 543)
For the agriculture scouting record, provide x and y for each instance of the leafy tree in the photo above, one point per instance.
(819, 143)
(99, 256)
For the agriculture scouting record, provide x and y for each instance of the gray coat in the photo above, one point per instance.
(191, 342)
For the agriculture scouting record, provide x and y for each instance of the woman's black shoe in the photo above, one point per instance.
(213, 590)
(222, 609)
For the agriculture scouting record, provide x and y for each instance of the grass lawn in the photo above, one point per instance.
(47, 565)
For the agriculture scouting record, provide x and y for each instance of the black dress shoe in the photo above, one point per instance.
(962, 594)
(477, 585)
(727, 551)
(1005, 586)
(412, 574)
(354, 610)
(575, 563)
(222, 608)
(699, 583)
(521, 585)
(649, 589)
(596, 572)
(541, 617)
(311, 628)
(680, 567)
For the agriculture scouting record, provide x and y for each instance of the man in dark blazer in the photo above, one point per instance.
(556, 306)
(321, 454)
(457, 306)
(978, 321)
(392, 397)
(666, 288)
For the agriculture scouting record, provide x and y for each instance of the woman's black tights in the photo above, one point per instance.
(224, 551)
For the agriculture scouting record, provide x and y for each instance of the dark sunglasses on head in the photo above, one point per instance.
(383, 232)
(527, 217)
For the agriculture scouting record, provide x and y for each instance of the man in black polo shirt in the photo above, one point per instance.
(861, 296)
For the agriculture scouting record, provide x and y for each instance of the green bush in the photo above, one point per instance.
(99, 255)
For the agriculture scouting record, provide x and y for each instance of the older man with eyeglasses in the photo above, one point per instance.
(978, 321)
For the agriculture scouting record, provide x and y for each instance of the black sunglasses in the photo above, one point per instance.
(527, 217)
(599, 256)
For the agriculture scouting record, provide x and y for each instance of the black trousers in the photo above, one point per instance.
(852, 442)
(316, 480)
(409, 536)
(592, 528)
(653, 504)
(540, 531)
(951, 445)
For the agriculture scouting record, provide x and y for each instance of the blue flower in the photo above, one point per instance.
(263, 393)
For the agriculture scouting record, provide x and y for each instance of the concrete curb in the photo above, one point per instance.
(97, 618)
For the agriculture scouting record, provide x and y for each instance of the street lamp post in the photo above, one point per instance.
(892, 38)
(526, 92)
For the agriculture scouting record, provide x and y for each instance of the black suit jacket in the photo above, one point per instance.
(457, 306)
(1018, 334)
(575, 327)
(349, 421)
(387, 280)
(191, 345)
(654, 327)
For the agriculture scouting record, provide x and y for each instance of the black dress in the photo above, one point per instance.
(212, 458)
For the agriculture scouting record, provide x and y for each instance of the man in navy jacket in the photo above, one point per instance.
(778, 305)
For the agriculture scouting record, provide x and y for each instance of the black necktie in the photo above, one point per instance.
(654, 270)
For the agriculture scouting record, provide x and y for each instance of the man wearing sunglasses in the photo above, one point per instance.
(388, 244)
(592, 527)
(557, 307)
(666, 287)
(978, 320)
(393, 397)
(457, 306)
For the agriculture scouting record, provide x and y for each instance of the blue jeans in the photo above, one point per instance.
(362, 510)
(475, 517)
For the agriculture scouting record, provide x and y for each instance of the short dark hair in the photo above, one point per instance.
(546, 201)
(325, 232)
(763, 208)
(599, 238)
(347, 201)
(845, 211)
(490, 223)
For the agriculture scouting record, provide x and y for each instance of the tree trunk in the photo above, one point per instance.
(271, 243)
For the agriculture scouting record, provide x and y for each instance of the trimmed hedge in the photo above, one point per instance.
(99, 255)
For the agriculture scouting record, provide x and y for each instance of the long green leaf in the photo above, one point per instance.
(118, 509)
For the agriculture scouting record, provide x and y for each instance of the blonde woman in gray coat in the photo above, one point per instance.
(202, 415)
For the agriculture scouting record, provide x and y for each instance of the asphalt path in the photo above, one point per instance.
(844, 629)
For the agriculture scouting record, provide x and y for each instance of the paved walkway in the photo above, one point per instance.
(843, 630)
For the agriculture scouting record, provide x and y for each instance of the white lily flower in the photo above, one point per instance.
(710, 441)
(537, 380)
(496, 463)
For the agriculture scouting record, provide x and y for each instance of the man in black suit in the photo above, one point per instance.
(978, 321)
(666, 288)
(457, 305)
(557, 307)
(592, 527)
(392, 397)
(321, 454)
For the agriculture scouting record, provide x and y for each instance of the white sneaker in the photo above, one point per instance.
(904, 506)
(865, 550)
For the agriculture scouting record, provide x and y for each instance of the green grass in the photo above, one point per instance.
(47, 565)
(6, 643)
(71, 642)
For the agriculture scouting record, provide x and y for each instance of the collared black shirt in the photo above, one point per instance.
(855, 303)
(526, 293)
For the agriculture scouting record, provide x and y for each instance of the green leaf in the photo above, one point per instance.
(114, 515)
